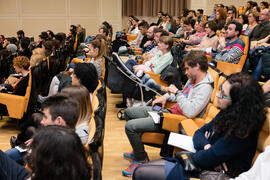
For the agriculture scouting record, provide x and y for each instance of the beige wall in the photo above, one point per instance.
(34, 16)
(208, 5)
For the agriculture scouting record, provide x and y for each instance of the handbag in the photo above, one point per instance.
(214, 175)
(186, 160)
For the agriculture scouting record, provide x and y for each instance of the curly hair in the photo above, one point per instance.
(222, 14)
(58, 154)
(246, 113)
(21, 62)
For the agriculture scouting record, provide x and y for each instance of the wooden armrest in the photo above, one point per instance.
(77, 60)
(189, 126)
(171, 122)
(131, 37)
(152, 138)
(15, 104)
(209, 58)
(156, 77)
(228, 68)
(168, 103)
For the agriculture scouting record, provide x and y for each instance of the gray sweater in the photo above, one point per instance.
(195, 104)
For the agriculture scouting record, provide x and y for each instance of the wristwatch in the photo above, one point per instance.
(178, 91)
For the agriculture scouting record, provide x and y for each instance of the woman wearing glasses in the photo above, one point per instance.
(229, 141)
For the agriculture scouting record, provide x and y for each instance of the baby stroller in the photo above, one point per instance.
(122, 81)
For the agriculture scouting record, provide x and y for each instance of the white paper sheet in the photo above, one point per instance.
(181, 141)
(155, 116)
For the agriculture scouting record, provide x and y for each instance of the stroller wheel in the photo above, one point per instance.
(120, 114)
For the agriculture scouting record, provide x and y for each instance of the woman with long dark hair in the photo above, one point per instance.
(228, 141)
(57, 154)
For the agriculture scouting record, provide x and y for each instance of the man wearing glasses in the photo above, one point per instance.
(263, 29)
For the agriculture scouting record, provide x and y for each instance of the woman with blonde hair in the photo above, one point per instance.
(82, 96)
(36, 59)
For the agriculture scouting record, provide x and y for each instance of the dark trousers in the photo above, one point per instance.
(10, 170)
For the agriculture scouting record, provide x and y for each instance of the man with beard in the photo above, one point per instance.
(190, 102)
(230, 49)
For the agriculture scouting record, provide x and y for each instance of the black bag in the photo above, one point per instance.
(186, 160)
(214, 175)
(172, 76)
(266, 64)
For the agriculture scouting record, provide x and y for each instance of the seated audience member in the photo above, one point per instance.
(43, 37)
(253, 19)
(188, 26)
(191, 14)
(50, 35)
(158, 33)
(228, 142)
(220, 18)
(232, 49)
(12, 48)
(243, 19)
(82, 96)
(57, 153)
(129, 23)
(164, 24)
(261, 44)
(180, 31)
(96, 52)
(2, 39)
(177, 25)
(248, 7)
(134, 29)
(20, 35)
(143, 27)
(195, 39)
(264, 5)
(208, 41)
(199, 15)
(24, 47)
(159, 62)
(160, 14)
(213, 15)
(231, 14)
(263, 29)
(36, 59)
(191, 102)
(83, 74)
(21, 65)
(57, 110)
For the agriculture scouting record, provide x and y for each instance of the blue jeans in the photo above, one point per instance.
(16, 155)
(130, 63)
(258, 71)
(150, 82)
(11, 170)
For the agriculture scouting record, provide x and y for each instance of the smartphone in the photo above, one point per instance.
(157, 107)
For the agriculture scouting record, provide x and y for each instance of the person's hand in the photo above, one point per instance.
(207, 135)
(172, 89)
(147, 43)
(28, 142)
(162, 100)
(222, 41)
(221, 167)
(135, 67)
(2, 88)
(207, 146)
